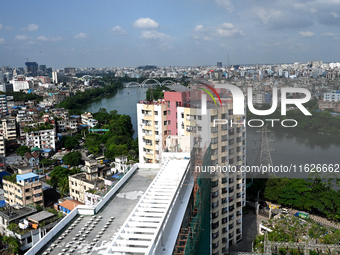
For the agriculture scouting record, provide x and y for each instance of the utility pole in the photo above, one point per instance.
(265, 157)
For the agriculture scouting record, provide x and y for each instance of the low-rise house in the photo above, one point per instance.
(23, 189)
(93, 178)
(120, 164)
(68, 205)
(32, 158)
(26, 224)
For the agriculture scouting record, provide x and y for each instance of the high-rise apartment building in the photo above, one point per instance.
(8, 128)
(152, 121)
(2, 146)
(226, 141)
(3, 105)
(43, 139)
(32, 68)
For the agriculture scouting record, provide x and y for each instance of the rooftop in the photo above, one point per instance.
(119, 207)
(40, 216)
(70, 204)
(12, 213)
(82, 177)
(143, 227)
(178, 88)
(28, 175)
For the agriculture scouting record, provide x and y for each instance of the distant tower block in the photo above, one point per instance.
(219, 65)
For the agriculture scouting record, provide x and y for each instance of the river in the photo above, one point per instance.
(125, 102)
(290, 145)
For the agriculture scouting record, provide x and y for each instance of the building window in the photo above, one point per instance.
(215, 245)
(214, 204)
(168, 103)
(165, 122)
(214, 183)
(215, 235)
(214, 215)
(199, 117)
(169, 122)
(214, 225)
(164, 113)
(214, 194)
(156, 112)
(168, 112)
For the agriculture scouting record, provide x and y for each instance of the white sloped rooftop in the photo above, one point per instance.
(144, 225)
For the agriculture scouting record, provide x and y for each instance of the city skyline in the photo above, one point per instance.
(171, 33)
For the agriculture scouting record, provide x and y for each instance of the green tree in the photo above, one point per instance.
(72, 158)
(38, 207)
(274, 187)
(58, 173)
(13, 244)
(69, 142)
(293, 193)
(22, 150)
(63, 186)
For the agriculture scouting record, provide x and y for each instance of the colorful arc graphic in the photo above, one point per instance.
(213, 90)
(208, 92)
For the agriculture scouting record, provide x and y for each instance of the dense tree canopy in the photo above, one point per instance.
(72, 158)
(314, 195)
(22, 150)
(118, 141)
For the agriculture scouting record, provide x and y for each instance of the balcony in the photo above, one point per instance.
(38, 191)
(37, 199)
(148, 155)
(147, 137)
(149, 146)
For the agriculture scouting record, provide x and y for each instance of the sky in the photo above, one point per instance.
(129, 33)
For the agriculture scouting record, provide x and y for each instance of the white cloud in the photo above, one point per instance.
(223, 30)
(30, 28)
(227, 4)
(2, 27)
(329, 34)
(335, 15)
(153, 35)
(306, 34)
(199, 28)
(227, 25)
(117, 31)
(22, 37)
(81, 36)
(2, 40)
(48, 39)
(145, 23)
(228, 30)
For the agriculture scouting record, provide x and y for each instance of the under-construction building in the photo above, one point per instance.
(226, 190)
(215, 222)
